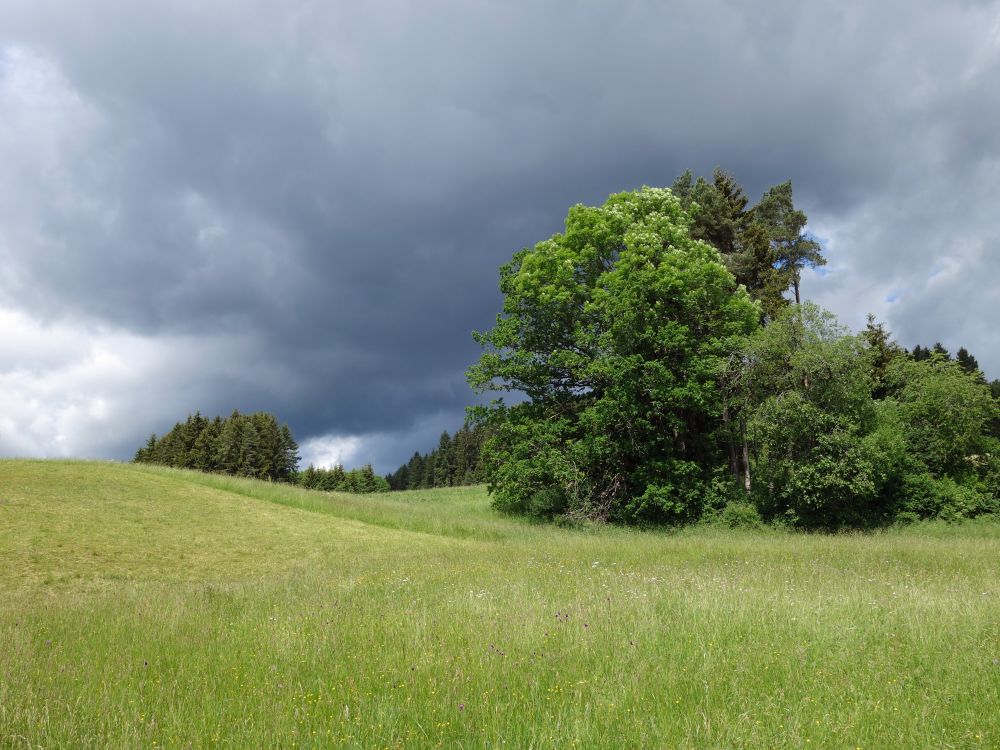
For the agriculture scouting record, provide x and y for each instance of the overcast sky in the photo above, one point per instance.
(301, 206)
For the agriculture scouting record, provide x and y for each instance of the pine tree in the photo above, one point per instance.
(251, 445)
(228, 455)
(459, 457)
(251, 457)
(339, 480)
(940, 351)
(416, 471)
(721, 209)
(453, 463)
(763, 246)
(755, 266)
(430, 470)
(206, 447)
(794, 250)
(308, 477)
(967, 361)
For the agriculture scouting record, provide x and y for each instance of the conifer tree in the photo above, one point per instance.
(250, 445)
(763, 246)
(794, 250)
(967, 361)
(444, 462)
(883, 351)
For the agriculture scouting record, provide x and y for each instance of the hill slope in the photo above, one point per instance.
(151, 607)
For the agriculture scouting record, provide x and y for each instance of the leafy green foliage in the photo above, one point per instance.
(803, 387)
(647, 370)
(616, 331)
(741, 514)
(845, 430)
(946, 411)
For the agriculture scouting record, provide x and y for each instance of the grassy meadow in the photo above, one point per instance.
(147, 607)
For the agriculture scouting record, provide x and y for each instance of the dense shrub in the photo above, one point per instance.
(741, 514)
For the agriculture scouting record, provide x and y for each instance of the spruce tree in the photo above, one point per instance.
(883, 352)
(444, 462)
(967, 361)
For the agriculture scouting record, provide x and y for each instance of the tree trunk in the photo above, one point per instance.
(734, 468)
(746, 455)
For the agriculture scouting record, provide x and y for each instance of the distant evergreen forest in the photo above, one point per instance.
(336, 479)
(248, 445)
(455, 462)
(255, 445)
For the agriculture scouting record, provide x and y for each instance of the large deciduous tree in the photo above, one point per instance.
(616, 331)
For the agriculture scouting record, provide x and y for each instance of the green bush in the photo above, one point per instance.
(741, 514)
(925, 497)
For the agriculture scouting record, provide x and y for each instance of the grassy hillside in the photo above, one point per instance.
(143, 607)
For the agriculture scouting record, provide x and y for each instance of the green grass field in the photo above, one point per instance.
(144, 607)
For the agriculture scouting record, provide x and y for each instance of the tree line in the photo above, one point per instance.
(336, 479)
(453, 463)
(255, 445)
(249, 445)
(673, 373)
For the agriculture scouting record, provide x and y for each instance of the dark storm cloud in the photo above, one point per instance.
(324, 192)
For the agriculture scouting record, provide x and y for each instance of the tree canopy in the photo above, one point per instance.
(616, 330)
(663, 376)
(765, 245)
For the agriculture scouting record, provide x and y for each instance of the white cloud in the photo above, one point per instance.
(330, 450)
(67, 389)
(923, 256)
